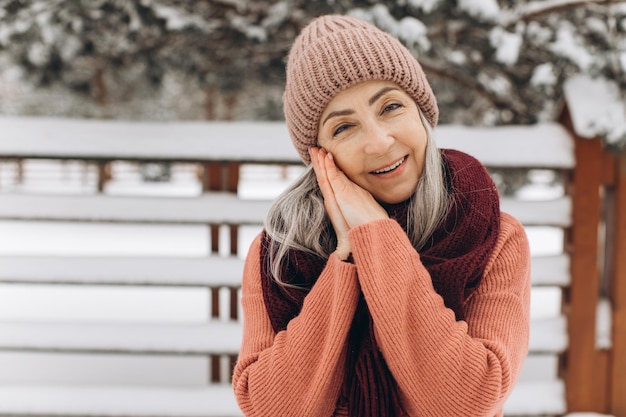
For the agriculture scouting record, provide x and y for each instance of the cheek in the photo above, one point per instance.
(421, 141)
(338, 150)
(347, 165)
(341, 162)
(327, 145)
(420, 158)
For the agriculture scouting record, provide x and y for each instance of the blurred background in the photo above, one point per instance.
(490, 63)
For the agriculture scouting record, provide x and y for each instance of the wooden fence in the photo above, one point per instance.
(590, 212)
(595, 375)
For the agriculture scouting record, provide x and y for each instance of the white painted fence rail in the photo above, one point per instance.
(214, 208)
(219, 336)
(258, 142)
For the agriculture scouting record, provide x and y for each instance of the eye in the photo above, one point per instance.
(341, 128)
(390, 107)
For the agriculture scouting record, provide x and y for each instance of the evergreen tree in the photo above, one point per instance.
(490, 61)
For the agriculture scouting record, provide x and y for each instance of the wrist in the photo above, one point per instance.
(345, 258)
(343, 248)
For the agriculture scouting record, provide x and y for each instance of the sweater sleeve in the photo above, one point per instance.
(445, 367)
(297, 371)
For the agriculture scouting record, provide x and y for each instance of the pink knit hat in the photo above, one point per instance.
(333, 53)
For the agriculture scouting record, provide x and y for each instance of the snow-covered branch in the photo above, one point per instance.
(533, 9)
(226, 58)
(510, 101)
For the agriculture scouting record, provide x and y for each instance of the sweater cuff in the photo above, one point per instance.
(383, 231)
(386, 237)
(341, 266)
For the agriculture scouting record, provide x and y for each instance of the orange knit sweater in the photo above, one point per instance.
(443, 367)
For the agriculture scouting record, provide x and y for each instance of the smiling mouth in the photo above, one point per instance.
(390, 168)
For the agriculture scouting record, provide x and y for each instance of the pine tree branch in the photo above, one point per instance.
(239, 5)
(471, 84)
(537, 8)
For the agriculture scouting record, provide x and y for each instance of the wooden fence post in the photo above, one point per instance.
(222, 176)
(104, 174)
(618, 295)
(585, 372)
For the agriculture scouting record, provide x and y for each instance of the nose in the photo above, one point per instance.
(378, 140)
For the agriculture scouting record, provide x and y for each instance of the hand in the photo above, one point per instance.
(348, 205)
(330, 203)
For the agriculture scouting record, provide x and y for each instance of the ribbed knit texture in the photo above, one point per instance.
(443, 367)
(333, 53)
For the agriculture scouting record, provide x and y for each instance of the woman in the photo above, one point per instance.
(386, 281)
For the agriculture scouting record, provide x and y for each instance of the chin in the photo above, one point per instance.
(397, 197)
(393, 199)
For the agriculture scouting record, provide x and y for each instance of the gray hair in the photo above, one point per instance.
(298, 220)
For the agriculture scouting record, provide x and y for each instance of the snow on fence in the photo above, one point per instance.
(223, 151)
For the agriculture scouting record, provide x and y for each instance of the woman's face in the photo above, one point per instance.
(377, 139)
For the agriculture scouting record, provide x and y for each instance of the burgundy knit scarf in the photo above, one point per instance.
(455, 257)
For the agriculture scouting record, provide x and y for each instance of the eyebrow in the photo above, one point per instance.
(337, 113)
(379, 94)
(371, 101)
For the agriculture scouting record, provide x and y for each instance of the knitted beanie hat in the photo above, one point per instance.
(335, 52)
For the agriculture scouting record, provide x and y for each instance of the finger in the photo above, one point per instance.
(337, 180)
(330, 202)
(317, 164)
(317, 158)
(315, 161)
